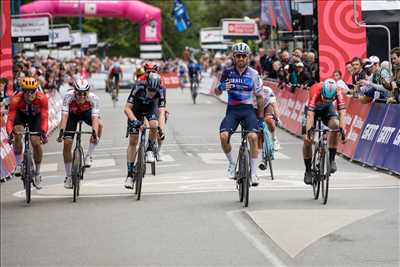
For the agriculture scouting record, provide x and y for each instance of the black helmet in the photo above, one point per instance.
(154, 81)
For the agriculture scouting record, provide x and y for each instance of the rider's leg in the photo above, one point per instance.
(37, 152)
(67, 155)
(153, 124)
(18, 129)
(252, 137)
(131, 152)
(333, 124)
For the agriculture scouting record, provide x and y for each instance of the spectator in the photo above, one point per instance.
(372, 88)
(266, 61)
(395, 82)
(311, 65)
(276, 68)
(300, 77)
(358, 73)
(3, 93)
(285, 57)
(337, 76)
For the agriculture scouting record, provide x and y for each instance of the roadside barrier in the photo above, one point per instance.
(372, 130)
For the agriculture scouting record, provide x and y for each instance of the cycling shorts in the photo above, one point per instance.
(324, 112)
(32, 121)
(153, 116)
(73, 120)
(243, 114)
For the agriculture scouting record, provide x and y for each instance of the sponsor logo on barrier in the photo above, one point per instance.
(369, 132)
(396, 140)
(356, 123)
(385, 134)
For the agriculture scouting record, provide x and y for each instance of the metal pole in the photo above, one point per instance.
(362, 24)
(80, 25)
(14, 47)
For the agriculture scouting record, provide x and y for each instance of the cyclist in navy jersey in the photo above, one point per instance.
(242, 83)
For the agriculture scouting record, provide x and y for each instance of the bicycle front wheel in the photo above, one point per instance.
(325, 173)
(246, 179)
(27, 176)
(141, 169)
(76, 173)
(315, 169)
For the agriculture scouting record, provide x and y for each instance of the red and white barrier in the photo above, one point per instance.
(170, 79)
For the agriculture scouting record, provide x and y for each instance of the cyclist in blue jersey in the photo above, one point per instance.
(242, 84)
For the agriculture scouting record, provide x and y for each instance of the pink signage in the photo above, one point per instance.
(148, 17)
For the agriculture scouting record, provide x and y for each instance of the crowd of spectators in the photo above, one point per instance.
(50, 72)
(371, 79)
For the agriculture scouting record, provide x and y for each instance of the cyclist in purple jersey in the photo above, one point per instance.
(242, 84)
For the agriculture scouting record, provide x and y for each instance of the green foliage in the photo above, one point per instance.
(123, 35)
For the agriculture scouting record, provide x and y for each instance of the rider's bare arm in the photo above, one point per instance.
(128, 110)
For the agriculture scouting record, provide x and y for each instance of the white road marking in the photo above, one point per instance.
(103, 163)
(220, 158)
(254, 240)
(48, 167)
(310, 225)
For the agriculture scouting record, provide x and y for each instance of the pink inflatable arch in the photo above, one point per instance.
(149, 17)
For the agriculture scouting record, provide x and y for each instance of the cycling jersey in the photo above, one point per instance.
(315, 98)
(245, 86)
(70, 104)
(268, 96)
(19, 108)
(144, 105)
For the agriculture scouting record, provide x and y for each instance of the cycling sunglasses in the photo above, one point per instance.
(81, 93)
(29, 92)
(241, 55)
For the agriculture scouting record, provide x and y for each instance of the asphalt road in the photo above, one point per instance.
(190, 214)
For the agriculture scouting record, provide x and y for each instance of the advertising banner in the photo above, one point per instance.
(5, 45)
(339, 38)
(170, 79)
(76, 39)
(28, 30)
(239, 29)
(370, 131)
(385, 152)
(60, 36)
(7, 157)
(211, 38)
(356, 115)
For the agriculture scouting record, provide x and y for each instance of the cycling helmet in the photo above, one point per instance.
(29, 84)
(329, 89)
(154, 81)
(139, 72)
(150, 67)
(81, 85)
(241, 48)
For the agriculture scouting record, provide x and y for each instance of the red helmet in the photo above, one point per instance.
(150, 67)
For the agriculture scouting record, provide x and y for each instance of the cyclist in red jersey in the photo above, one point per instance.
(28, 107)
(320, 105)
(79, 105)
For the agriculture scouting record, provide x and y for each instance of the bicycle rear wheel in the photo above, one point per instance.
(325, 173)
(141, 167)
(239, 179)
(76, 173)
(270, 168)
(316, 178)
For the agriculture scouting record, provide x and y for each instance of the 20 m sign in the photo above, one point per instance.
(29, 30)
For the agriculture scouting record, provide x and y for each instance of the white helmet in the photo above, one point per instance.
(81, 85)
(241, 48)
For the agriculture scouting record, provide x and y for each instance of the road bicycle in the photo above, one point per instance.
(194, 88)
(242, 168)
(140, 171)
(78, 166)
(267, 152)
(27, 166)
(321, 165)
